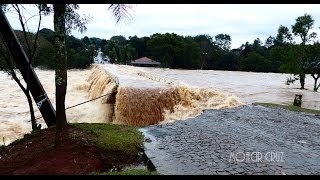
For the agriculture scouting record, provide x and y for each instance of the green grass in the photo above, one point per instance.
(289, 107)
(2, 147)
(26, 137)
(122, 143)
(128, 172)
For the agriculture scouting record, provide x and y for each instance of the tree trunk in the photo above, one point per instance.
(302, 77)
(26, 92)
(60, 69)
(33, 119)
(316, 86)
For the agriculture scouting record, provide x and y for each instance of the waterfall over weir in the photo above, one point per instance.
(134, 97)
(141, 98)
(144, 95)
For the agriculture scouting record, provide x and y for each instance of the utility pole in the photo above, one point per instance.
(21, 59)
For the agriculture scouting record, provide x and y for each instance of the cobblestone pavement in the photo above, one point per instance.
(243, 140)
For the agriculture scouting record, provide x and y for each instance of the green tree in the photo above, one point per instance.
(231, 60)
(277, 55)
(86, 40)
(223, 41)
(103, 44)
(205, 44)
(77, 51)
(48, 34)
(114, 51)
(291, 61)
(269, 42)
(140, 46)
(255, 62)
(45, 56)
(120, 40)
(92, 51)
(301, 28)
(313, 67)
(174, 51)
(257, 47)
(284, 36)
(128, 52)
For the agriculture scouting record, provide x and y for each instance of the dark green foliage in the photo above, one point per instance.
(302, 26)
(255, 62)
(174, 51)
(206, 45)
(4, 7)
(230, 61)
(277, 54)
(79, 54)
(284, 36)
(269, 42)
(48, 34)
(140, 46)
(223, 41)
(86, 40)
(45, 57)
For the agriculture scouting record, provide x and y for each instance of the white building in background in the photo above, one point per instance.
(101, 59)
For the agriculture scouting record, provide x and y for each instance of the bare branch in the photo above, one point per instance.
(16, 7)
(36, 38)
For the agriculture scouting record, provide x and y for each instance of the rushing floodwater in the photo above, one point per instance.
(248, 87)
(14, 109)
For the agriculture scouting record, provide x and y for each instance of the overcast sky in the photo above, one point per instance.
(243, 22)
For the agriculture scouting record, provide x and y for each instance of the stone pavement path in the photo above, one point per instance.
(243, 140)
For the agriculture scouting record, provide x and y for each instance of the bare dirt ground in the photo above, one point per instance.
(37, 155)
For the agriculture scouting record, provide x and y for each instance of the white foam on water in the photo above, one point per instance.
(147, 95)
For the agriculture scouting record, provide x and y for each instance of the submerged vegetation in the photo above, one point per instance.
(289, 107)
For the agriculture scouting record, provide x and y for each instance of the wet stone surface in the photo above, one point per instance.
(243, 140)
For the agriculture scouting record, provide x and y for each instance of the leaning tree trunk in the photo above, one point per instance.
(60, 69)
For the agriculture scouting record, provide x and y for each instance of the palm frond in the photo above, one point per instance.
(120, 11)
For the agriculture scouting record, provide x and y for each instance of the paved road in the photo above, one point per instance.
(243, 140)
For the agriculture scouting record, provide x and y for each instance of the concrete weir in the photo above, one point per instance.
(136, 97)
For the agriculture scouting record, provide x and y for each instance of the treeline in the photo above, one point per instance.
(79, 54)
(205, 52)
(275, 54)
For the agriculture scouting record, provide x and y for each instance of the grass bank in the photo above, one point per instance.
(289, 107)
(86, 148)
